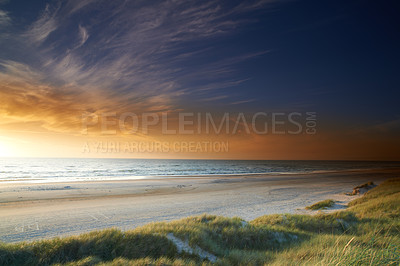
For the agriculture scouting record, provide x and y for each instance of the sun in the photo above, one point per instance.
(5, 150)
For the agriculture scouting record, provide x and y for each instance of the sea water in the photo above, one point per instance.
(84, 169)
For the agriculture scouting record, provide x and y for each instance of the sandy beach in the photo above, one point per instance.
(32, 211)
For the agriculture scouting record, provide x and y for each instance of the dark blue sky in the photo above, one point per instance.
(337, 57)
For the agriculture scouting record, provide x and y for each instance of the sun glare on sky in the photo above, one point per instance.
(5, 149)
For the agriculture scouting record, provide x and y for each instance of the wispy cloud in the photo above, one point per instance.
(214, 98)
(44, 26)
(4, 18)
(25, 97)
(83, 34)
(244, 101)
(120, 56)
(132, 43)
(74, 6)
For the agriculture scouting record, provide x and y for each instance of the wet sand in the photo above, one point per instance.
(44, 210)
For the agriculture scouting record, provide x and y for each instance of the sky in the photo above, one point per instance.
(62, 62)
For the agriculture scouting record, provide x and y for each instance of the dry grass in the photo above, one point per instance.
(321, 205)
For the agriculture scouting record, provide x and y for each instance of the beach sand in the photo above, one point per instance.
(45, 210)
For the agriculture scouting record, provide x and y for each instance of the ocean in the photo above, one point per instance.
(83, 169)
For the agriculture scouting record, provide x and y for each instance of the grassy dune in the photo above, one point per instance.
(367, 233)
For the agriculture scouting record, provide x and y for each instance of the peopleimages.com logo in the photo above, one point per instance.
(184, 123)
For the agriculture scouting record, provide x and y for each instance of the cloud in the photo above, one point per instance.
(217, 70)
(139, 57)
(83, 34)
(243, 101)
(214, 98)
(25, 97)
(219, 85)
(136, 49)
(382, 128)
(254, 5)
(44, 26)
(74, 6)
(129, 38)
(5, 20)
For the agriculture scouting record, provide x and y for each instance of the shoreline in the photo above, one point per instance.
(168, 177)
(37, 211)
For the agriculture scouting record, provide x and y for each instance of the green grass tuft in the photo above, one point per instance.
(321, 205)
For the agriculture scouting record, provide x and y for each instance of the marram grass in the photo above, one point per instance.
(321, 205)
(367, 233)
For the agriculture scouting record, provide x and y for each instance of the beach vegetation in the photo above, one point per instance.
(324, 204)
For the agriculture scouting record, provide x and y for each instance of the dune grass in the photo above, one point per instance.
(382, 201)
(365, 185)
(367, 233)
(321, 205)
